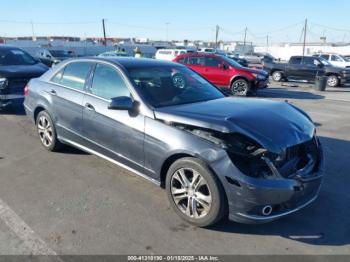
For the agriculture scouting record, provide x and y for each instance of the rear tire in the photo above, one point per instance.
(277, 76)
(240, 87)
(333, 81)
(47, 132)
(195, 193)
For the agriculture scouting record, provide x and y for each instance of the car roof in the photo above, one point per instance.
(130, 62)
(300, 56)
(7, 47)
(199, 54)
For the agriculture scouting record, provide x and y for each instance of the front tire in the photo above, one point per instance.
(333, 81)
(47, 132)
(194, 192)
(240, 87)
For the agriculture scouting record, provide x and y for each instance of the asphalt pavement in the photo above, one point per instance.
(75, 203)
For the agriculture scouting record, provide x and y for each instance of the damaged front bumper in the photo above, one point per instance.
(283, 197)
(260, 200)
(11, 99)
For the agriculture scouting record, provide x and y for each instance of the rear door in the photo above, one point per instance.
(67, 92)
(196, 63)
(117, 134)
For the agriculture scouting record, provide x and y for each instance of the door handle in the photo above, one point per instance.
(89, 107)
(53, 92)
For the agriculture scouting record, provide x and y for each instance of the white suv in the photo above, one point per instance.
(336, 60)
(169, 54)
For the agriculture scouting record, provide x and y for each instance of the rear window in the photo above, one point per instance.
(15, 57)
(165, 52)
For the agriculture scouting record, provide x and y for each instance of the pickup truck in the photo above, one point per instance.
(307, 68)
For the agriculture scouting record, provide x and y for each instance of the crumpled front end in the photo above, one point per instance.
(262, 186)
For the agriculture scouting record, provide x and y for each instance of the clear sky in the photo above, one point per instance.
(191, 19)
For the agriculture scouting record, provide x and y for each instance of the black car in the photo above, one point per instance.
(17, 67)
(251, 159)
(243, 62)
(307, 68)
(61, 55)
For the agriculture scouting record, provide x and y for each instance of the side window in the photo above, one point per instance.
(108, 83)
(310, 61)
(335, 58)
(212, 62)
(325, 57)
(75, 75)
(295, 61)
(182, 60)
(196, 60)
(58, 76)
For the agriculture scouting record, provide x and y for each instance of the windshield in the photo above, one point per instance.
(15, 57)
(231, 61)
(60, 53)
(171, 85)
(343, 58)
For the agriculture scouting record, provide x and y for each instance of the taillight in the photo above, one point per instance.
(26, 90)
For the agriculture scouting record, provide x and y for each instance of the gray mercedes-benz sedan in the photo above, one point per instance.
(254, 160)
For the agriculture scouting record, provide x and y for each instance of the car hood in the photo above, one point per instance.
(256, 71)
(337, 69)
(274, 125)
(26, 71)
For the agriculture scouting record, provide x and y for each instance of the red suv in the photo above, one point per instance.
(224, 72)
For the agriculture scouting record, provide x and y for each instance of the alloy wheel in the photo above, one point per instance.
(332, 81)
(191, 193)
(277, 76)
(239, 88)
(45, 131)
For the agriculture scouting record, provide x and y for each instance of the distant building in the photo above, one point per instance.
(286, 50)
(237, 47)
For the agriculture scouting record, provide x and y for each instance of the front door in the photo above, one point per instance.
(116, 134)
(310, 68)
(215, 71)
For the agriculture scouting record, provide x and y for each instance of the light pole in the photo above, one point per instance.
(166, 30)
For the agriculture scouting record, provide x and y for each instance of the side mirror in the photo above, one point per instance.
(122, 103)
(222, 66)
(320, 65)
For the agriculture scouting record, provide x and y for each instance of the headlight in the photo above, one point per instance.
(246, 155)
(259, 77)
(3, 83)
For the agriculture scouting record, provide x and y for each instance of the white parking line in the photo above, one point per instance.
(32, 240)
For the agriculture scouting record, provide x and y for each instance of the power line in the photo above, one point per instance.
(331, 28)
(48, 23)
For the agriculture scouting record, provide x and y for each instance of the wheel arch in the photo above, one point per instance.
(37, 110)
(236, 77)
(275, 70)
(168, 162)
(332, 74)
